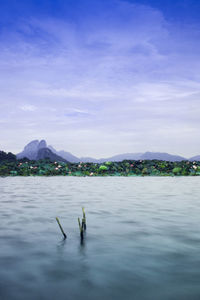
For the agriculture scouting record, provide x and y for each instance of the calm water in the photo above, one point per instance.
(142, 242)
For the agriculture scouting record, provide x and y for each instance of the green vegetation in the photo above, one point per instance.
(8, 157)
(25, 167)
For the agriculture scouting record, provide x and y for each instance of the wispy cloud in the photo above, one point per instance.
(118, 74)
(28, 108)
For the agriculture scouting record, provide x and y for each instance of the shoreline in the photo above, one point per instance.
(98, 176)
(126, 168)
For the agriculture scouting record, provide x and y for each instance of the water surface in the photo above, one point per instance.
(142, 241)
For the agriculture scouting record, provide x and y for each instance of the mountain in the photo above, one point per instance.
(161, 156)
(125, 156)
(36, 150)
(66, 155)
(119, 157)
(47, 153)
(197, 157)
(42, 144)
(32, 151)
(136, 156)
(91, 160)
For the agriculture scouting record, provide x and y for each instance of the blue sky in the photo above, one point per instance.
(99, 78)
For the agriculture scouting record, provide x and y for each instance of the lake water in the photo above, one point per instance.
(142, 240)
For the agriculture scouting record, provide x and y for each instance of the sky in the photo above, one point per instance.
(100, 77)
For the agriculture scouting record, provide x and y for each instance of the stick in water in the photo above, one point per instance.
(81, 229)
(61, 228)
(84, 219)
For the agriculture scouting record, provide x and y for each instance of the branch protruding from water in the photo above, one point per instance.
(84, 219)
(81, 229)
(65, 236)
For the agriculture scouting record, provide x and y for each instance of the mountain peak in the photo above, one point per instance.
(32, 145)
(31, 149)
(42, 144)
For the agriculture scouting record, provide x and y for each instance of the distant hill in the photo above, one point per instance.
(66, 155)
(31, 151)
(126, 156)
(36, 150)
(91, 160)
(7, 156)
(197, 157)
(47, 153)
(136, 156)
(161, 156)
(119, 157)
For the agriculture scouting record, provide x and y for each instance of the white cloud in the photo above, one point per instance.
(28, 107)
(101, 84)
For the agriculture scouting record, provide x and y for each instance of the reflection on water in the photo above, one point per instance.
(142, 241)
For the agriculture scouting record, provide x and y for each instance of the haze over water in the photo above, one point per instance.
(142, 238)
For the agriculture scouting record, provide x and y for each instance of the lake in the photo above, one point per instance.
(142, 239)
